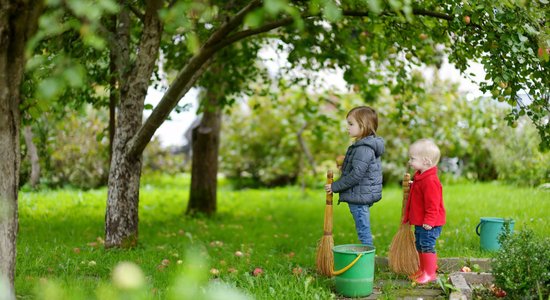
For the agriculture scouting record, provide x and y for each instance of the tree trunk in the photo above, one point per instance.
(121, 227)
(10, 123)
(204, 169)
(18, 22)
(121, 217)
(33, 157)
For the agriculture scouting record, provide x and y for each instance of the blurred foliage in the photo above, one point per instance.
(518, 160)
(260, 145)
(72, 151)
(67, 59)
(165, 160)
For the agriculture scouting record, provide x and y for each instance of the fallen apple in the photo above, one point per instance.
(467, 20)
(257, 272)
(214, 271)
(465, 269)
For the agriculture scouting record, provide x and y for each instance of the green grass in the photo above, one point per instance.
(276, 230)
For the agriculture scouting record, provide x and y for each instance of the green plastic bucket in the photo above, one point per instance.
(354, 269)
(489, 230)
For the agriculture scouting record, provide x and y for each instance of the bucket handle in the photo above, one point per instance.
(477, 227)
(339, 272)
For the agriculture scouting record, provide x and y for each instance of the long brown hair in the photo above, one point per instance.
(367, 118)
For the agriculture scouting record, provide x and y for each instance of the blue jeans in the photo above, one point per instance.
(425, 239)
(361, 216)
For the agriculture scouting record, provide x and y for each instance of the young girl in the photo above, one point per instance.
(361, 182)
(425, 208)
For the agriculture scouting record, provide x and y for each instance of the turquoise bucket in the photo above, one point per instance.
(489, 230)
(354, 269)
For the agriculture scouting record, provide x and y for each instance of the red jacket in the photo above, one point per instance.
(425, 203)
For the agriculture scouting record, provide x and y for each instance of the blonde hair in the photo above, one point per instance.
(426, 148)
(366, 118)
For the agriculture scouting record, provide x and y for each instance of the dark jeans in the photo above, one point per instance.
(425, 239)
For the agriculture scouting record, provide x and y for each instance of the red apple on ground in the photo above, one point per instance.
(257, 272)
(467, 20)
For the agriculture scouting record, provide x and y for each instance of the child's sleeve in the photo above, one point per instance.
(359, 166)
(433, 194)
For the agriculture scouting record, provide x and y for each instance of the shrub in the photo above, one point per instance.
(522, 265)
(73, 150)
(519, 161)
(166, 160)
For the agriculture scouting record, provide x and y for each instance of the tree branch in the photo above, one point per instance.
(246, 33)
(287, 21)
(230, 25)
(185, 79)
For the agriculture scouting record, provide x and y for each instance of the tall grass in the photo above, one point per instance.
(276, 230)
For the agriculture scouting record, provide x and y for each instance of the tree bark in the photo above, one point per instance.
(121, 217)
(18, 22)
(204, 167)
(33, 157)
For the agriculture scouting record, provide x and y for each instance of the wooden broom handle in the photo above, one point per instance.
(330, 176)
(406, 188)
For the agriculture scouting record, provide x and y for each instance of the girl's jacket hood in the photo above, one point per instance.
(376, 143)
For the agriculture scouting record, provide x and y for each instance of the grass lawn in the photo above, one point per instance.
(60, 253)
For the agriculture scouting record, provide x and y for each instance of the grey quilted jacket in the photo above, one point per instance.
(361, 180)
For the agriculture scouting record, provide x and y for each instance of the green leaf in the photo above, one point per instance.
(50, 88)
(374, 6)
(74, 76)
(94, 41)
(331, 11)
(193, 43)
(34, 112)
(273, 7)
(254, 19)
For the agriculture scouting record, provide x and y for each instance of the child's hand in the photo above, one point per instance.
(426, 226)
(328, 188)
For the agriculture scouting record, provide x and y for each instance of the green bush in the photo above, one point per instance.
(518, 159)
(522, 265)
(73, 150)
(261, 147)
(158, 159)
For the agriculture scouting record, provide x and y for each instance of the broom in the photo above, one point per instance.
(403, 257)
(325, 257)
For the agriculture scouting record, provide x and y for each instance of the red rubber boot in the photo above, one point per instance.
(429, 265)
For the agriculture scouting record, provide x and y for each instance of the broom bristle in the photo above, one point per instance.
(403, 257)
(325, 257)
